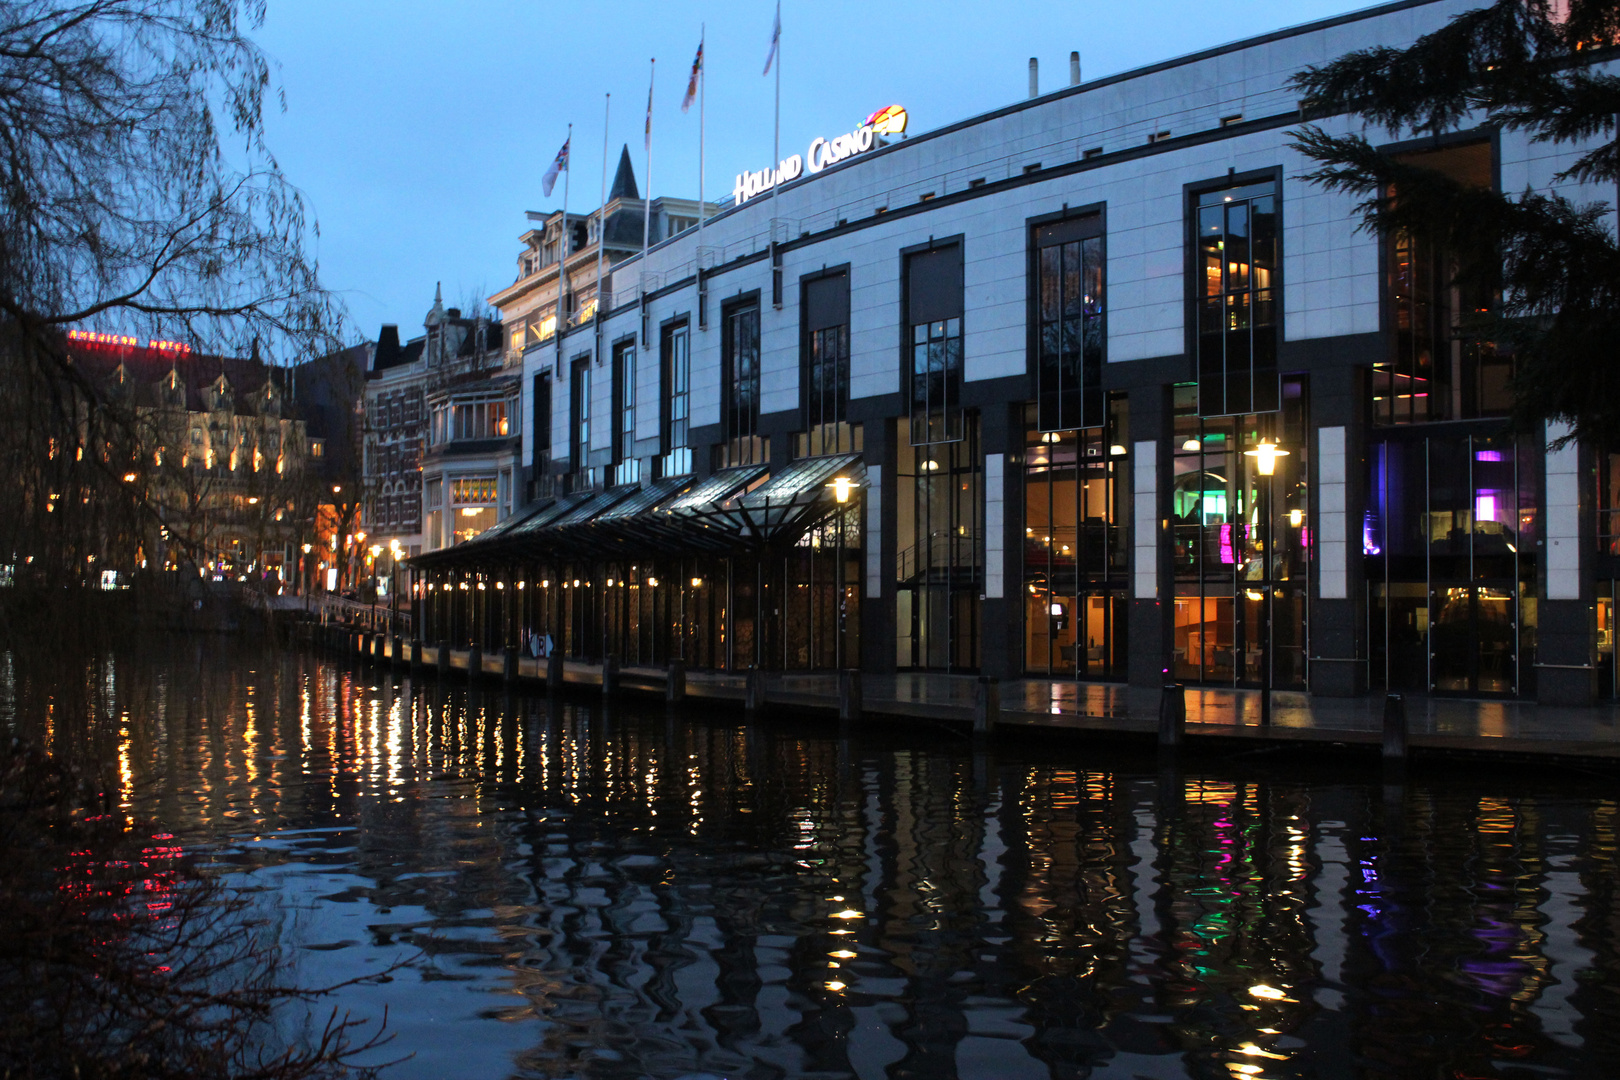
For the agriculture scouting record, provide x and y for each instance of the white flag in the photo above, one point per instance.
(549, 181)
(776, 36)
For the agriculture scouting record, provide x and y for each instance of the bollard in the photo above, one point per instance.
(509, 666)
(396, 652)
(416, 653)
(986, 705)
(475, 663)
(379, 649)
(849, 694)
(610, 675)
(1172, 716)
(753, 691)
(554, 673)
(675, 682)
(444, 659)
(1394, 728)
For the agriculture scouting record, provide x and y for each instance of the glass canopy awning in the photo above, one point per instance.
(742, 507)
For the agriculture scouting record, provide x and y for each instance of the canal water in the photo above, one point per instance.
(575, 892)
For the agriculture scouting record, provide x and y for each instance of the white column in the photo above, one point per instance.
(1145, 520)
(995, 532)
(1563, 517)
(874, 531)
(1332, 529)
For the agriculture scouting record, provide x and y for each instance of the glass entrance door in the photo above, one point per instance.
(1450, 538)
(1473, 634)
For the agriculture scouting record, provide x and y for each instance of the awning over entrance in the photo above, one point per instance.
(742, 507)
(784, 503)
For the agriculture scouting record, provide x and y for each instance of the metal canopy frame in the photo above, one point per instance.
(784, 502)
(740, 507)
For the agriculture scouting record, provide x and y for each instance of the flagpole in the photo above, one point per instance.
(562, 247)
(776, 142)
(776, 165)
(703, 87)
(601, 223)
(646, 214)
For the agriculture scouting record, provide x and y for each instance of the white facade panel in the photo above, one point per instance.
(1331, 525)
(1563, 517)
(1144, 520)
(874, 531)
(995, 520)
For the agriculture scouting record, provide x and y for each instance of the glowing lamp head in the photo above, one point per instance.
(1265, 456)
(841, 486)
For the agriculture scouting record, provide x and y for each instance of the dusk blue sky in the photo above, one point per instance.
(420, 131)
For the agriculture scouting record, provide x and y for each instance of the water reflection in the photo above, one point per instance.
(626, 893)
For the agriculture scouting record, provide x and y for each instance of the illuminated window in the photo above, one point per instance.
(1237, 300)
(934, 313)
(1070, 339)
(676, 401)
(739, 356)
(825, 364)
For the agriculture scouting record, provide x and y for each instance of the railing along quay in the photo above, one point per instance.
(1176, 718)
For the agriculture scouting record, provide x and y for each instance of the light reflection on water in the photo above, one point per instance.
(634, 894)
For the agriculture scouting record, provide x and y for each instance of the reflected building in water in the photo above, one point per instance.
(641, 894)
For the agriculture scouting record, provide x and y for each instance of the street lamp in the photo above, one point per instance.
(1265, 459)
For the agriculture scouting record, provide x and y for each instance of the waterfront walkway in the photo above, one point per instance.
(1215, 716)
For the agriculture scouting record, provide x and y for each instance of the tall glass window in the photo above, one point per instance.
(1222, 513)
(740, 357)
(1450, 538)
(1069, 342)
(579, 434)
(1076, 487)
(1440, 367)
(939, 519)
(626, 467)
(1237, 300)
(676, 404)
(825, 367)
(934, 315)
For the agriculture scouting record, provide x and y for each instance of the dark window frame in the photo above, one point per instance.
(624, 398)
(740, 390)
(1069, 395)
(1264, 394)
(813, 404)
(675, 399)
(1475, 394)
(579, 412)
(930, 340)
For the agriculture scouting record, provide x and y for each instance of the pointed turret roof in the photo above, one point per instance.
(436, 314)
(624, 179)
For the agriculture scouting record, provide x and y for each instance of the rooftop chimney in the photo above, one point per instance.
(1074, 69)
(1034, 77)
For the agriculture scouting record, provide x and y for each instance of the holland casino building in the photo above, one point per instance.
(986, 405)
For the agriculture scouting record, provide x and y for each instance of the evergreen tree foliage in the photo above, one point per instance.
(1531, 67)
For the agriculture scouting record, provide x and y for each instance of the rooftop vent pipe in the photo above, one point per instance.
(1074, 69)
(1034, 77)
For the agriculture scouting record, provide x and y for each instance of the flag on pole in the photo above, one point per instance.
(692, 83)
(560, 164)
(776, 36)
(649, 114)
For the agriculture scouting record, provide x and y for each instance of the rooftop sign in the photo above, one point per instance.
(822, 153)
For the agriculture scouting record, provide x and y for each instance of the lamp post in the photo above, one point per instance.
(841, 487)
(1265, 459)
